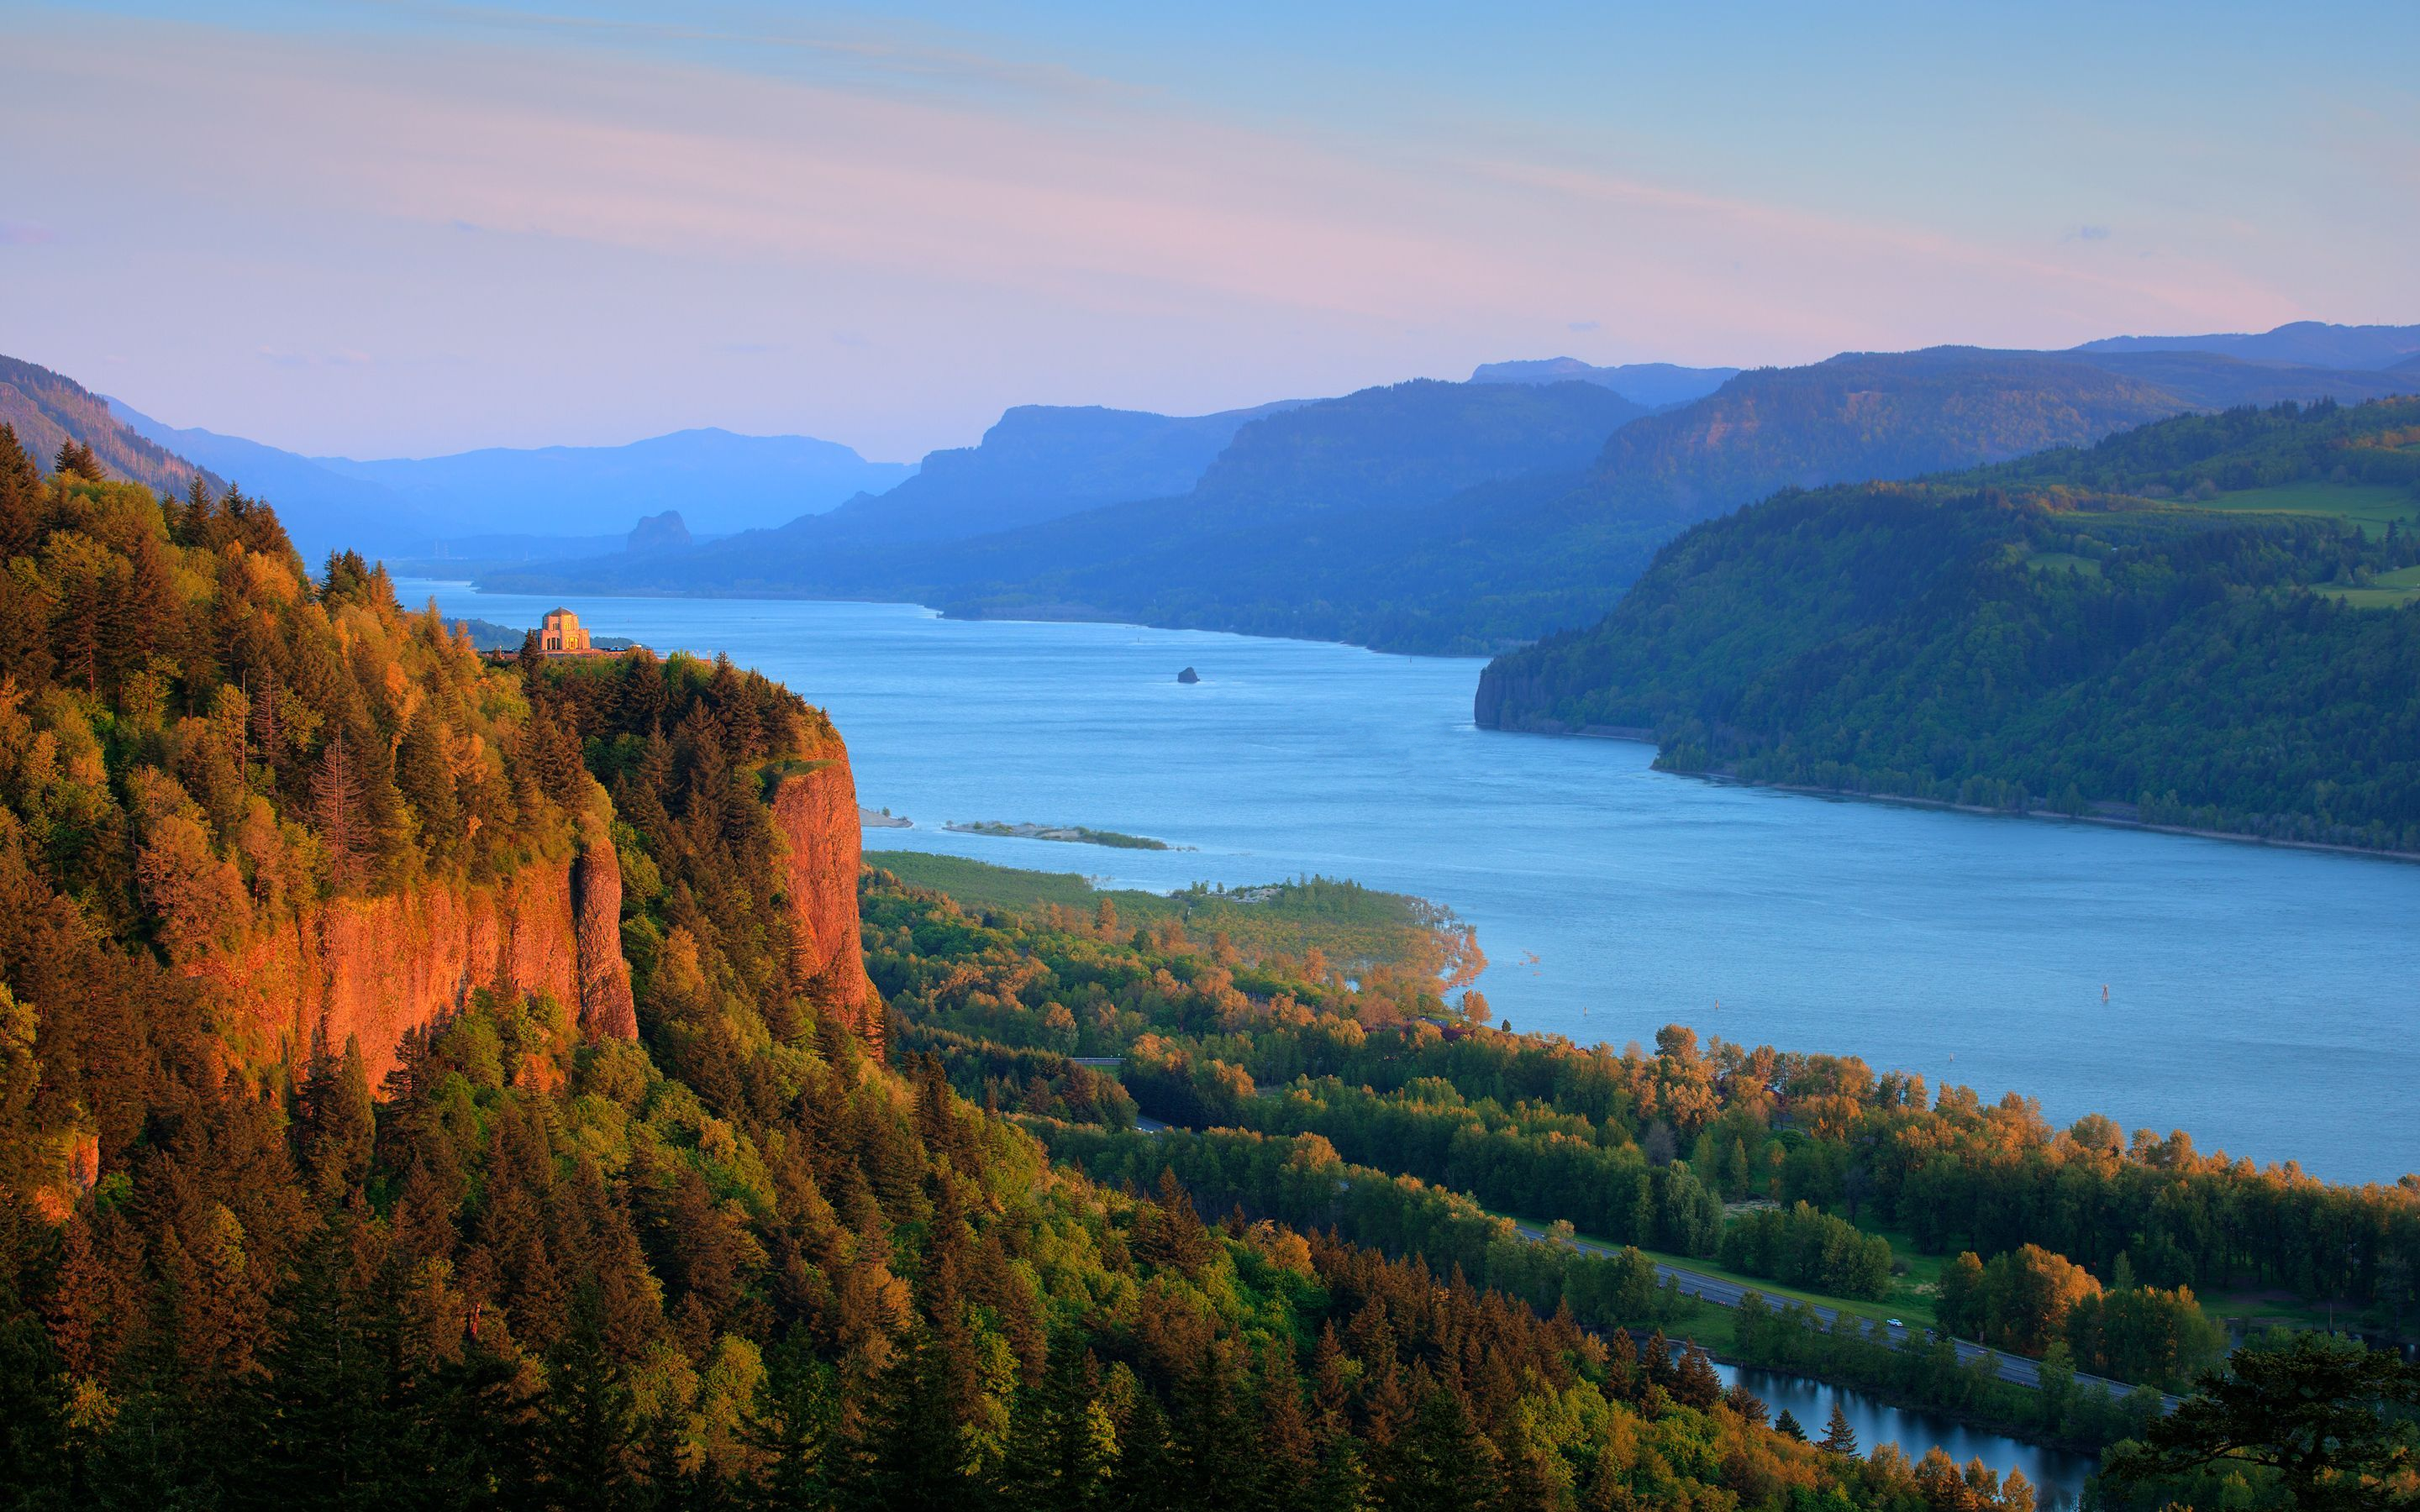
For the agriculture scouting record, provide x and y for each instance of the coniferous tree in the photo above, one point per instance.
(1838, 1437)
(75, 460)
(21, 491)
(336, 796)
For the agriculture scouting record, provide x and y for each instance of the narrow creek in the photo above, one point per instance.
(2057, 1475)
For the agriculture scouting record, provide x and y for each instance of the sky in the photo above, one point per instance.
(404, 229)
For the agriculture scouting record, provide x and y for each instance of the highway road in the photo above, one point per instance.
(1722, 1292)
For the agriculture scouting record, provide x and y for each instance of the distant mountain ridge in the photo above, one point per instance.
(48, 408)
(2303, 343)
(421, 507)
(1039, 462)
(719, 480)
(322, 510)
(1651, 384)
(1383, 449)
(1513, 550)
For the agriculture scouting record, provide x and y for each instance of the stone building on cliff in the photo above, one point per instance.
(560, 634)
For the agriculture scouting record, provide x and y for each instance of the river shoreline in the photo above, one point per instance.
(1642, 737)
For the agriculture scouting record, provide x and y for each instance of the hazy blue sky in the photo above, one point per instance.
(404, 228)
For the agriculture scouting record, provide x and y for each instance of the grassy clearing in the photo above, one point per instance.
(2388, 590)
(2370, 505)
(2063, 562)
(1355, 927)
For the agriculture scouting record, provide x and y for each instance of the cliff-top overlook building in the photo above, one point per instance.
(560, 634)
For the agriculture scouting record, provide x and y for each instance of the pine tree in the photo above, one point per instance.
(76, 459)
(1839, 1438)
(1788, 1427)
(343, 824)
(21, 491)
(335, 1123)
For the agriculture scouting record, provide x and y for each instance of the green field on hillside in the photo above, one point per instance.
(2388, 590)
(2370, 505)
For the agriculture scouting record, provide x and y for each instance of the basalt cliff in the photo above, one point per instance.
(814, 813)
(362, 972)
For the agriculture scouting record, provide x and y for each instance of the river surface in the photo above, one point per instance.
(2260, 999)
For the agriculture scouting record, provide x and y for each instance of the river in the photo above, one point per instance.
(2260, 999)
(2058, 1476)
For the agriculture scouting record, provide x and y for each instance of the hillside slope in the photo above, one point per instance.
(49, 411)
(2205, 622)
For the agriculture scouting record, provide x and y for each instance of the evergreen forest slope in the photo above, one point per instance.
(2206, 621)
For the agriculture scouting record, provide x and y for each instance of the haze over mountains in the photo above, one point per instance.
(552, 502)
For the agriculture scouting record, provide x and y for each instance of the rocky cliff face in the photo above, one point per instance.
(368, 969)
(606, 1009)
(815, 809)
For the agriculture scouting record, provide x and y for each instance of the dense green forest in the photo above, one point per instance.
(1460, 518)
(2201, 622)
(725, 1257)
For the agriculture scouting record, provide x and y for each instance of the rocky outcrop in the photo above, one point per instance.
(606, 1007)
(814, 812)
(368, 970)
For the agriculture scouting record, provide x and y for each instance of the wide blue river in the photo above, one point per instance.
(2261, 999)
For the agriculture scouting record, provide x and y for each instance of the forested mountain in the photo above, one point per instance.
(431, 1083)
(49, 411)
(1654, 385)
(2304, 342)
(2204, 621)
(1493, 547)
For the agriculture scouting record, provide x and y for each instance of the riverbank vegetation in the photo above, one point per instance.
(1647, 1149)
(2196, 624)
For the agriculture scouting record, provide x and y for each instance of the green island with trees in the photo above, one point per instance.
(741, 1248)
(2205, 622)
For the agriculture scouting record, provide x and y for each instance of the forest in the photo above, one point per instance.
(742, 1250)
(2185, 625)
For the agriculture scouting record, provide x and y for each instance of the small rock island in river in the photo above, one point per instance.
(1188, 676)
(1075, 834)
